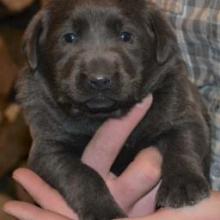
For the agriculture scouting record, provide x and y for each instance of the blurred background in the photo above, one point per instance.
(14, 135)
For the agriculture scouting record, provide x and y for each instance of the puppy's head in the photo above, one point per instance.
(100, 56)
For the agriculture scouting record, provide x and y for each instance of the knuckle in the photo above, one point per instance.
(151, 166)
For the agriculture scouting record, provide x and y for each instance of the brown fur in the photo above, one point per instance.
(69, 89)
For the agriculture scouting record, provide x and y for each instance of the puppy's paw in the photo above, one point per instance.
(179, 191)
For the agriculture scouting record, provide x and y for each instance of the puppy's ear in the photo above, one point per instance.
(165, 39)
(34, 36)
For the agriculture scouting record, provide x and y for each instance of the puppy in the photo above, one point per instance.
(90, 60)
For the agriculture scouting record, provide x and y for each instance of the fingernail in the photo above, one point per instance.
(146, 101)
(14, 175)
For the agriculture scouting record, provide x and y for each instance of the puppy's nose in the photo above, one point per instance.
(100, 82)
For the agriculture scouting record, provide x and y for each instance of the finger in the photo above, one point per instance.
(44, 195)
(208, 209)
(26, 211)
(109, 139)
(145, 205)
(139, 178)
(166, 215)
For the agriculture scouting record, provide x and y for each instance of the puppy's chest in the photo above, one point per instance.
(139, 139)
(126, 156)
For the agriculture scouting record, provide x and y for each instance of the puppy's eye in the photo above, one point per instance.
(71, 37)
(126, 36)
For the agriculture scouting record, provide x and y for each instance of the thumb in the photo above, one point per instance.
(109, 139)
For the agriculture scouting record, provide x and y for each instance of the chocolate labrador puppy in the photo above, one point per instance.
(90, 60)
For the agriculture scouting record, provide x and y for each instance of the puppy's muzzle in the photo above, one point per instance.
(100, 79)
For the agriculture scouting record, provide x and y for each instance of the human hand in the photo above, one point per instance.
(55, 208)
(129, 189)
(208, 209)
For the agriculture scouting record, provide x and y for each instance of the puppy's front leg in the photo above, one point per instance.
(185, 167)
(84, 190)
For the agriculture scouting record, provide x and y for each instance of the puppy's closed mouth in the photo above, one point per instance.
(100, 104)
